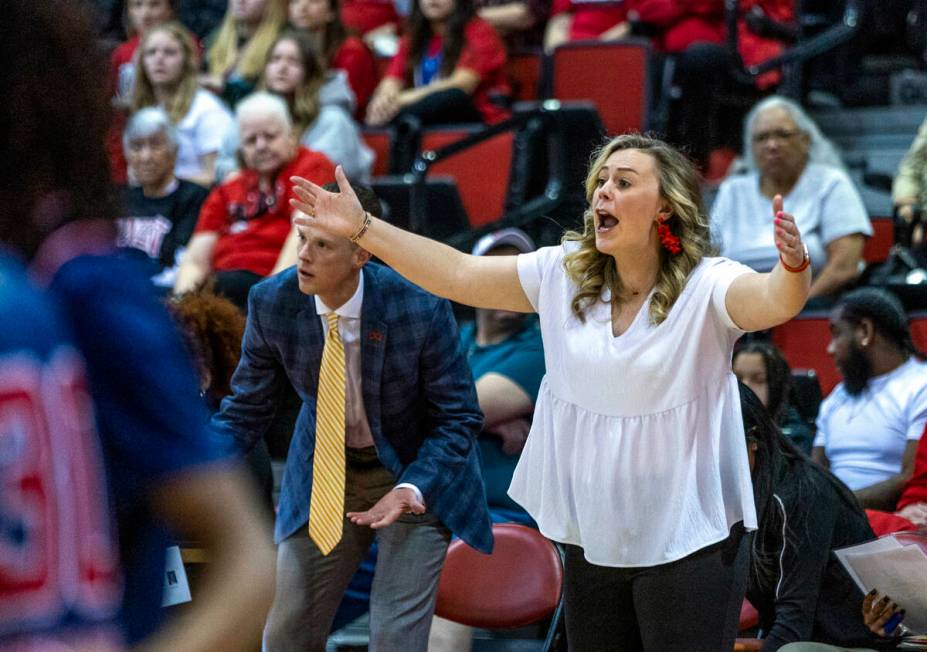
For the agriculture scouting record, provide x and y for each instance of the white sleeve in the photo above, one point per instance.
(211, 130)
(720, 214)
(843, 212)
(820, 436)
(535, 268)
(917, 411)
(723, 272)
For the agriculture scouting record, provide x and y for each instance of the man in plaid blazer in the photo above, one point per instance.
(411, 422)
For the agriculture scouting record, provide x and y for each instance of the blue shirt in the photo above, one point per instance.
(152, 421)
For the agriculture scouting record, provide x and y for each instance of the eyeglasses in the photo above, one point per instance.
(778, 134)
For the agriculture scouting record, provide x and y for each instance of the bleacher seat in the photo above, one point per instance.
(378, 140)
(612, 74)
(918, 325)
(443, 207)
(524, 69)
(803, 341)
(883, 237)
(482, 171)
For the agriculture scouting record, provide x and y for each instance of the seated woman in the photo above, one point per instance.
(320, 104)
(339, 49)
(869, 426)
(237, 49)
(244, 232)
(520, 23)
(785, 153)
(909, 190)
(576, 20)
(167, 78)
(161, 211)
(761, 367)
(449, 64)
(799, 588)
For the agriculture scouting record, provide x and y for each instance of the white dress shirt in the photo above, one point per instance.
(356, 427)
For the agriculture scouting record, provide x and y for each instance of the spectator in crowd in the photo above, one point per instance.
(237, 50)
(320, 104)
(786, 154)
(245, 221)
(166, 474)
(760, 366)
(339, 49)
(167, 78)
(576, 20)
(140, 16)
(161, 211)
(879, 612)
(801, 590)
(909, 190)
(378, 22)
(449, 64)
(911, 509)
(634, 296)
(212, 329)
(386, 433)
(519, 22)
(869, 426)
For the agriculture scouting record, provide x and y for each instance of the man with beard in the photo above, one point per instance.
(869, 426)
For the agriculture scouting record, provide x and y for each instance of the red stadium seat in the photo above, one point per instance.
(803, 341)
(481, 171)
(612, 74)
(517, 585)
(379, 141)
(918, 325)
(883, 237)
(525, 73)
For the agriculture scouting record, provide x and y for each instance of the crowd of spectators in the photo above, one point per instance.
(208, 130)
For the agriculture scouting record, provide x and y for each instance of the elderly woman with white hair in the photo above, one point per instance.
(786, 154)
(161, 211)
(244, 231)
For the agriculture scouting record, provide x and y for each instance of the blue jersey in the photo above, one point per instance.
(152, 422)
(59, 573)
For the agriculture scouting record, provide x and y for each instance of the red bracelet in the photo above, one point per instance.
(804, 263)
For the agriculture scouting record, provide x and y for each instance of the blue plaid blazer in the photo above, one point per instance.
(417, 386)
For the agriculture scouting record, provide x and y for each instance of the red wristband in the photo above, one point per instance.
(804, 263)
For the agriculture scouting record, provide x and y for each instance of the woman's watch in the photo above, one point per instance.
(804, 263)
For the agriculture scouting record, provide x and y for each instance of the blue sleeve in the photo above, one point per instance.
(454, 417)
(144, 388)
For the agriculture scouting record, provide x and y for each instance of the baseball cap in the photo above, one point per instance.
(511, 237)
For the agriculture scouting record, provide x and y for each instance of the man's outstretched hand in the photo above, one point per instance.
(389, 508)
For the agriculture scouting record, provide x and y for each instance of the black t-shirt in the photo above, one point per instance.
(159, 226)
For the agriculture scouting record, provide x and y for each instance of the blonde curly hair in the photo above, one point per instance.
(592, 271)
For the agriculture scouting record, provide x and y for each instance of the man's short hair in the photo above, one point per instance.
(147, 122)
(368, 198)
(262, 103)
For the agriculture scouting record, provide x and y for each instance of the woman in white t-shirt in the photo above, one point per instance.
(636, 458)
(167, 77)
(786, 154)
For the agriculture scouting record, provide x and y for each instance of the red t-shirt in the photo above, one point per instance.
(363, 16)
(682, 22)
(483, 53)
(915, 489)
(591, 17)
(356, 59)
(250, 238)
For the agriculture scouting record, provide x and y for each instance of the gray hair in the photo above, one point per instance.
(147, 122)
(264, 104)
(821, 150)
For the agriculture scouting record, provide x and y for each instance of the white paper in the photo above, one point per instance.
(898, 571)
(885, 543)
(176, 587)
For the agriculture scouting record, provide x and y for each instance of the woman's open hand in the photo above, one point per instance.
(788, 238)
(337, 213)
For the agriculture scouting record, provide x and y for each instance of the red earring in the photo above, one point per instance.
(669, 241)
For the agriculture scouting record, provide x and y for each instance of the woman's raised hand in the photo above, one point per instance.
(788, 238)
(337, 213)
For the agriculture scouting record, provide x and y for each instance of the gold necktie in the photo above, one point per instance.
(326, 505)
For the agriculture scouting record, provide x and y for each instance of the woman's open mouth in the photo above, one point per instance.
(605, 222)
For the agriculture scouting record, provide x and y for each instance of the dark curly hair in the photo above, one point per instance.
(212, 327)
(778, 376)
(886, 312)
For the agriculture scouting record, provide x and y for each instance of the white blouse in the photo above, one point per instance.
(637, 450)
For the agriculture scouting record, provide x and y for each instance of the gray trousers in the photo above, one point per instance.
(310, 586)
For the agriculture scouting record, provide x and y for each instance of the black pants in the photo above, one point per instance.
(692, 604)
(444, 107)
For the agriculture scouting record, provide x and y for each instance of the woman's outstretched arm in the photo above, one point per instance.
(479, 281)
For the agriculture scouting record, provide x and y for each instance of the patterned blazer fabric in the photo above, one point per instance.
(418, 393)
